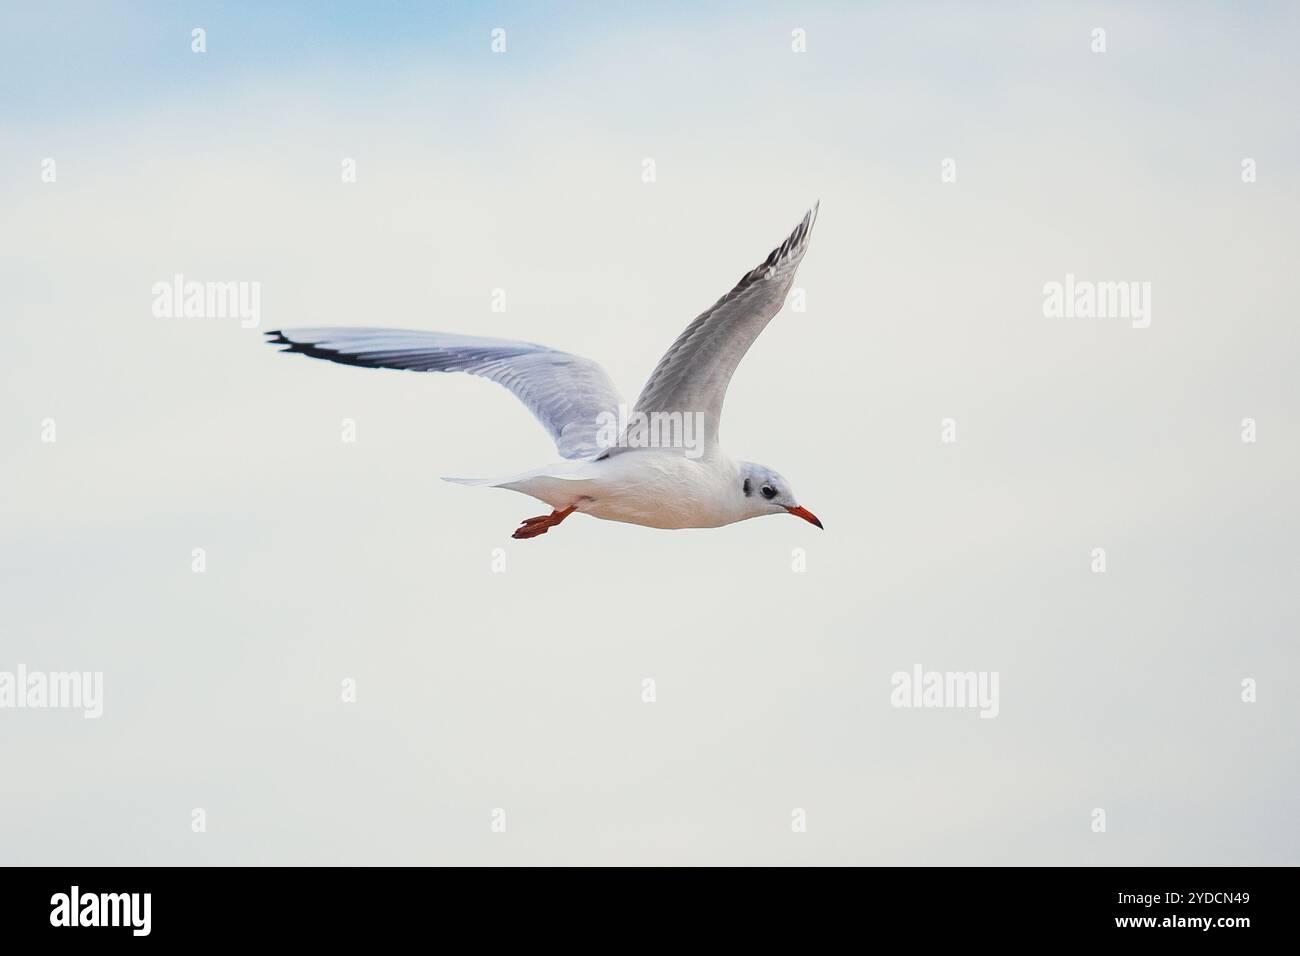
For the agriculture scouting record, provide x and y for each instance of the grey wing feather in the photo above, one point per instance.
(694, 373)
(567, 393)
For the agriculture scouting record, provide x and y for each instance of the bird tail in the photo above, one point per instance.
(474, 481)
(566, 471)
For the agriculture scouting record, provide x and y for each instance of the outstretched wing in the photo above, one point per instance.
(693, 375)
(565, 392)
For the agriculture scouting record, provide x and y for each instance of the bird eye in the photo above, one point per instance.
(768, 491)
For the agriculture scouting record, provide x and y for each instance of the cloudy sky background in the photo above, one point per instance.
(522, 690)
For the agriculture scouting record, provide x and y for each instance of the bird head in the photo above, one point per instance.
(764, 492)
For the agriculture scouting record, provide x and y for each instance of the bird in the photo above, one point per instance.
(660, 464)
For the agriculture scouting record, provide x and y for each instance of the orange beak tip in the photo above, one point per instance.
(801, 512)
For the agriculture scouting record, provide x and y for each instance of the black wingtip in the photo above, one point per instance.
(276, 337)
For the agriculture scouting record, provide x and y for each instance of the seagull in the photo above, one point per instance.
(659, 465)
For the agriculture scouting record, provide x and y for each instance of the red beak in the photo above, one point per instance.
(806, 515)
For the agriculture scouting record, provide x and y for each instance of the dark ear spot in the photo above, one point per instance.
(747, 488)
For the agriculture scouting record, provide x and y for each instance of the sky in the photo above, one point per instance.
(368, 670)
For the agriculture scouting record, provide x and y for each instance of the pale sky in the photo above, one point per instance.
(329, 561)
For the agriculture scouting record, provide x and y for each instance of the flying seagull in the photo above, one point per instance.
(659, 466)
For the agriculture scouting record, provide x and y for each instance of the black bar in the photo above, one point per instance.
(366, 905)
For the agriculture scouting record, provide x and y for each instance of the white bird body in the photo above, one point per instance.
(683, 480)
(654, 487)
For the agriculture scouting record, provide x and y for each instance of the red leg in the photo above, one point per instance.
(532, 527)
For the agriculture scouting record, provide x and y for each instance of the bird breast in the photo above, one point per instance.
(664, 490)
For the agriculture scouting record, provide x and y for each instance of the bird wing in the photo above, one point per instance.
(694, 373)
(566, 393)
